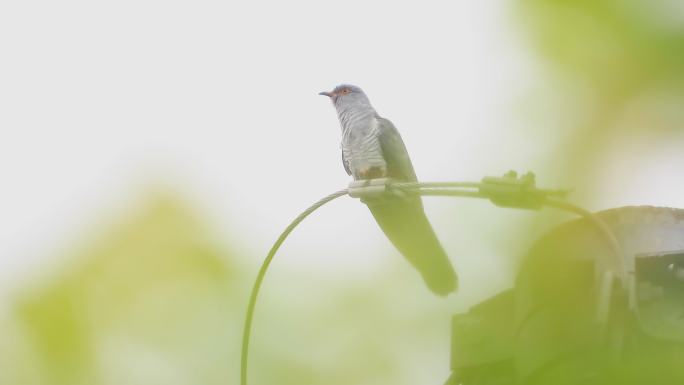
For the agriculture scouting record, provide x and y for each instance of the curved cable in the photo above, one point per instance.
(602, 227)
(455, 189)
(428, 189)
(262, 272)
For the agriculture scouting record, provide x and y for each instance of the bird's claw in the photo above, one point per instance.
(368, 188)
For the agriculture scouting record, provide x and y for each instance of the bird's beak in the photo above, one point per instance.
(328, 94)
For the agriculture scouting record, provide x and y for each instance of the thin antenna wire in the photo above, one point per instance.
(603, 229)
(433, 189)
(262, 272)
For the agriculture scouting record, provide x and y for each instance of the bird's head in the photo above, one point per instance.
(347, 95)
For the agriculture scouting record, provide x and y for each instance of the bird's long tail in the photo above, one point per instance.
(404, 222)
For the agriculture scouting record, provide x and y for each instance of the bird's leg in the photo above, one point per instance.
(371, 172)
(371, 186)
(363, 173)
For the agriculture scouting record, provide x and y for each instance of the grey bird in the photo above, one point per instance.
(373, 148)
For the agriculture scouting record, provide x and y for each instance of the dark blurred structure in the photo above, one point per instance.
(561, 324)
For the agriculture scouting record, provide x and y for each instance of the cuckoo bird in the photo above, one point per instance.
(373, 148)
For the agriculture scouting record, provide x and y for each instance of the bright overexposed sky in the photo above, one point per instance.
(216, 99)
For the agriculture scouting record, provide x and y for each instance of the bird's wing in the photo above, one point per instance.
(345, 164)
(394, 151)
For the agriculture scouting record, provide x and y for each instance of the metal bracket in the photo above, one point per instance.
(517, 192)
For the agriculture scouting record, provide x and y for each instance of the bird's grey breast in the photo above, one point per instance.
(360, 140)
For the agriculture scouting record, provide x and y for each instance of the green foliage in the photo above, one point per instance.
(617, 77)
(156, 300)
(621, 46)
(153, 285)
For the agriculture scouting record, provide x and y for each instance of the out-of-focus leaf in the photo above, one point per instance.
(150, 302)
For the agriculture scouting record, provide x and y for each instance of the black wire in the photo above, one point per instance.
(603, 229)
(431, 189)
(435, 184)
(262, 272)
(456, 189)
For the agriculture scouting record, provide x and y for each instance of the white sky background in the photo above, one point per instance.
(219, 100)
